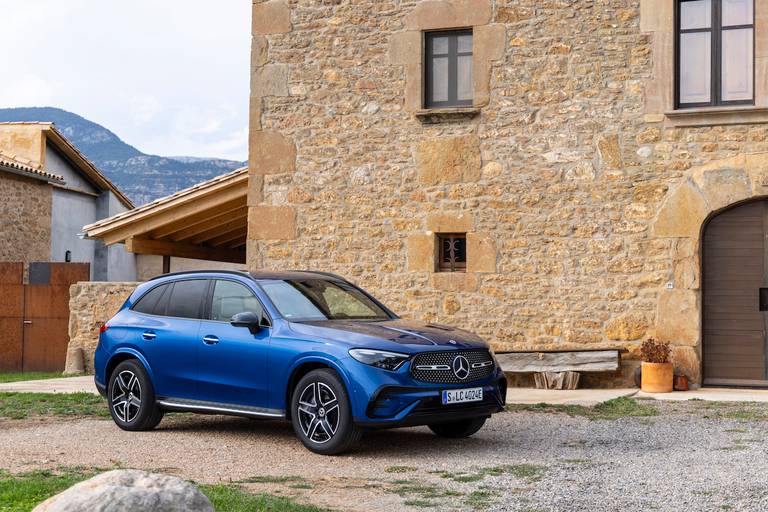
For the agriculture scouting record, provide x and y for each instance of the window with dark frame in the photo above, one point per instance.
(714, 53)
(448, 69)
(452, 252)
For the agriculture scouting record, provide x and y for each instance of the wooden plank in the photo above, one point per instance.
(576, 361)
(180, 250)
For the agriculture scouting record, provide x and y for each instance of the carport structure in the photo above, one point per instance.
(206, 222)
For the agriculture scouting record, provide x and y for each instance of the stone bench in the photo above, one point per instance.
(559, 369)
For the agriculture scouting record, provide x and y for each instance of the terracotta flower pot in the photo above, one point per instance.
(657, 377)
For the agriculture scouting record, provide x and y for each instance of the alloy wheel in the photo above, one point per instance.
(126, 396)
(318, 412)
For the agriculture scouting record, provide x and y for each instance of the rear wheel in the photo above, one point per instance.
(132, 397)
(321, 414)
(458, 429)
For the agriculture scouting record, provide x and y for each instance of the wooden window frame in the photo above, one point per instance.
(452, 265)
(453, 59)
(716, 30)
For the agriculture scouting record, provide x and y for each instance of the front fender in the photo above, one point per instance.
(319, 358)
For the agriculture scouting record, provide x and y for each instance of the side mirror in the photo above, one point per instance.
(247, 319)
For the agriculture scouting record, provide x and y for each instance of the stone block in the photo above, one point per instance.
(270, 80)
(682, 213)
(449, 222)
(628, 327)
(271, 153)
(272, 17)
(432, 15)
(454, 281)
(405, 48)
(449, 160)
(678, 317)
(488, 45)
(610, 151)
(481, 253)
(421, 252)
(259, 51)
(656, 16)
(723, 187)
(271, 223)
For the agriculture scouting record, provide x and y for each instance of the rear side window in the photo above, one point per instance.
(186, 299)
(155, 301)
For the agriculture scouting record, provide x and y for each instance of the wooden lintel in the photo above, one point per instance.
(180, 250)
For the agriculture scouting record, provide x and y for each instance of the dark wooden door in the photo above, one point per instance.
(734, 328)
(11, 315)
(46, 314)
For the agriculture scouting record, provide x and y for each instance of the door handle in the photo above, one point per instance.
(210, 340)
(27, 322)
(149, 335)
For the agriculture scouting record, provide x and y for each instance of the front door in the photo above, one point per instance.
(734, 279)
(232, 361)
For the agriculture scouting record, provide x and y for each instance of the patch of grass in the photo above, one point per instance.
(400, 469)
(576, 461)
(22, 405)
(481, 498)
(303, 485)
(423, 490)
(622, 407)
(18, 377)
(529, 472)
(226, 498)
(420, 503)
(22, 492)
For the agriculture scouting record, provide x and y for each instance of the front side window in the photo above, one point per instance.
(448, 69)
(319, 299)
(231, 298)
(186, 299)
(715, 52)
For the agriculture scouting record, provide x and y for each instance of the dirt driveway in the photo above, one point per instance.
(691, 456)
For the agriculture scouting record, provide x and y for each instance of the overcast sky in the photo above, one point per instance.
(167, 76)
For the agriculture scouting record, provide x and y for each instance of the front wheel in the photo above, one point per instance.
(321, 414)
(458, 429)
(132, 397)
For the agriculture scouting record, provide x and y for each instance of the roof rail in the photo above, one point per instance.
(242, 273)
(321, 273)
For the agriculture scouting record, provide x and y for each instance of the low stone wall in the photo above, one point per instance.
(91, 304)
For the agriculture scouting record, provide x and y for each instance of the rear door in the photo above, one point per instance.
(168, 322)
(232, 361)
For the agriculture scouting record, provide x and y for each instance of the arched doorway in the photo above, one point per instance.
(735, 275)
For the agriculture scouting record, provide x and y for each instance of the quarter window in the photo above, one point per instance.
(155, 301)
(187, 298)
(715, 52)
(448, 68)
(452, 252)
(230, 298)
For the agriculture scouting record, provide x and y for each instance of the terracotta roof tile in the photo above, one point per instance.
(18, 165)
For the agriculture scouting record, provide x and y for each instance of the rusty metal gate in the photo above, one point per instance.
(34, 317)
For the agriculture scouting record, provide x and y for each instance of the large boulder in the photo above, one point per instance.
(129, 491)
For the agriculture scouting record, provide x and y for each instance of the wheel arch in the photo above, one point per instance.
(302, 368)
(125, 355)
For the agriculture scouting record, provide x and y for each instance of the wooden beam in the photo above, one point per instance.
(225, 238)
(187, 228)
(181, 250)
(179, 213)
(576, 361)
(222, 229)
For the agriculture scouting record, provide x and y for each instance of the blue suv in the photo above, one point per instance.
(309, 347)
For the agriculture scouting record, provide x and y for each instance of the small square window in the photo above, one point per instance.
(452, 252)
(448, 69)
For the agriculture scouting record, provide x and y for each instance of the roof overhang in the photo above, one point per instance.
(208, 221)
(13, 166)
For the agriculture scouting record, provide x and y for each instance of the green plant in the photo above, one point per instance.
(653, 351)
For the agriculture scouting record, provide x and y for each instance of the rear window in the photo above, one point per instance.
(186, 299)
(155, 301)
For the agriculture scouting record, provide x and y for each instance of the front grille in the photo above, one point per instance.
(444, 373)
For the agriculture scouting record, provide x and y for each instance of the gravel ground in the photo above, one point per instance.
(692, 456)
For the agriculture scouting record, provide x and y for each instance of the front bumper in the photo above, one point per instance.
(418, 403)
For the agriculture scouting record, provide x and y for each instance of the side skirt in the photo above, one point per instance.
(202, 407)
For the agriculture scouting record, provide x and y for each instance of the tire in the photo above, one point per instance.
(458, 429)
(131, 397)
(314, 420)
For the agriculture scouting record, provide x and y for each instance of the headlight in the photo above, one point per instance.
(380, 359)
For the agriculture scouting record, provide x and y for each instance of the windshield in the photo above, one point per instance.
(319, 299)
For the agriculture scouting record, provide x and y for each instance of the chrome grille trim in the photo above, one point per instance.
(436, 367)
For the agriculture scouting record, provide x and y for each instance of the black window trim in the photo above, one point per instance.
(172, 285)
(716, 30)
(209, 302)
(453, 55)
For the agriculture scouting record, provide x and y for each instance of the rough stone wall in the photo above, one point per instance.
(91, 304)
(25, 219)
(559, 177)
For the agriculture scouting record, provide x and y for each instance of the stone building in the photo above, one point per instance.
(48, 191)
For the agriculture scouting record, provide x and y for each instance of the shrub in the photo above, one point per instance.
(655, 351)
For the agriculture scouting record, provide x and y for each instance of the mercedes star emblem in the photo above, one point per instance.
(461, 367)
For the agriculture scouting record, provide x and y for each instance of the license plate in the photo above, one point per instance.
(460, 396)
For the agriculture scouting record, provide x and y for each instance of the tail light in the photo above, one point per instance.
(103, 328)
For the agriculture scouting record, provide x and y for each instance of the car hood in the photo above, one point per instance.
(399, 333)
